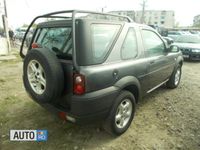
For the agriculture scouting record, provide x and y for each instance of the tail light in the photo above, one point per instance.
(62, 115)
(34, 45)
(79, 84)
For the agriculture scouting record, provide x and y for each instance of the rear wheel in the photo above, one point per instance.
(121, 114)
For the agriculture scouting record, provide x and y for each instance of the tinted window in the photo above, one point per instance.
(57, 39)
(129, 48)
(102, 38)
(152, 43)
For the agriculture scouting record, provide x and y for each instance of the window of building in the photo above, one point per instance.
(163, 12)
(129, 48)
(162, 17)
(162, 22)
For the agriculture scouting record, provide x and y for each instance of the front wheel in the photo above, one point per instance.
(121, 114)
(175, 78)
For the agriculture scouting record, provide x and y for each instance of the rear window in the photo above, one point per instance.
(57, 39)
(103, 36)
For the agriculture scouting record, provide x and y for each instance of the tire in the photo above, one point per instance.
(111, 124)
(43, 75)
(175, 78)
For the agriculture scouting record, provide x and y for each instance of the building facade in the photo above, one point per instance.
(129, 13)
(196, 21)
(161, 18)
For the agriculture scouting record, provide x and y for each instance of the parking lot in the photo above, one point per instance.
(165, 119)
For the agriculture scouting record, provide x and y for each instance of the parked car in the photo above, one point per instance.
(185, 32)
(19, 33)
(87, 69)
(194, 32)
(174, 34)
(189, 45)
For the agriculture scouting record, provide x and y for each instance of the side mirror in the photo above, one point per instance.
(173, 48)
(169, 40)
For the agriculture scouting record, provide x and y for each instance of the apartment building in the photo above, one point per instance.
(196, 21)
(129, 13)
(161, 18)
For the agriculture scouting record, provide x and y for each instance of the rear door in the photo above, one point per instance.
(159, 65)
(59, 40)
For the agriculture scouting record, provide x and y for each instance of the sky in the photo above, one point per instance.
(23, 11)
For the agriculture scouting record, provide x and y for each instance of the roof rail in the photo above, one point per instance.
(73, 13)
(106, 15)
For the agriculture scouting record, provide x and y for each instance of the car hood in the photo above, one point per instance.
(188, 45)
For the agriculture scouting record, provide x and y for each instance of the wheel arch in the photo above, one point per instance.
(179, 61)
(130, 84)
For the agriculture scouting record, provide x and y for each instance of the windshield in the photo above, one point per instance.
(188, 39)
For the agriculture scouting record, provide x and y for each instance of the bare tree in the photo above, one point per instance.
(5, 8)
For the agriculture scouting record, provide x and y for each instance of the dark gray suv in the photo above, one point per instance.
(87, 66)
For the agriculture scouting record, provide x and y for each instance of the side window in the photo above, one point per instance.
(152, 43)
(129, 48)
(103, 36)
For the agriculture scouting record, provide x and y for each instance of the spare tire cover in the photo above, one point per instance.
(43, 75)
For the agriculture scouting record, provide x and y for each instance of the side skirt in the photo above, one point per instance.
(157, 86)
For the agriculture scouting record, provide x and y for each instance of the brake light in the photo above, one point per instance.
(34, 45)
(79, 84)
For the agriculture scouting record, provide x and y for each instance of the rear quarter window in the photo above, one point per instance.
(103, 36)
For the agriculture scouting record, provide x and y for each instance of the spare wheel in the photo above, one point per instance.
(43, 75)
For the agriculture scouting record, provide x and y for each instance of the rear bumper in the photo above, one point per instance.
(92, 106)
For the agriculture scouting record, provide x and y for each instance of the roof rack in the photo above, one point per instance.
(73, 17)
(74, 12)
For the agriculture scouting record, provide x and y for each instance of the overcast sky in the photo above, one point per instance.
(23, 11)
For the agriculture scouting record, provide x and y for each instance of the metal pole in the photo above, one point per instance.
(143, 10)
(5, 23)
(5, 8)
